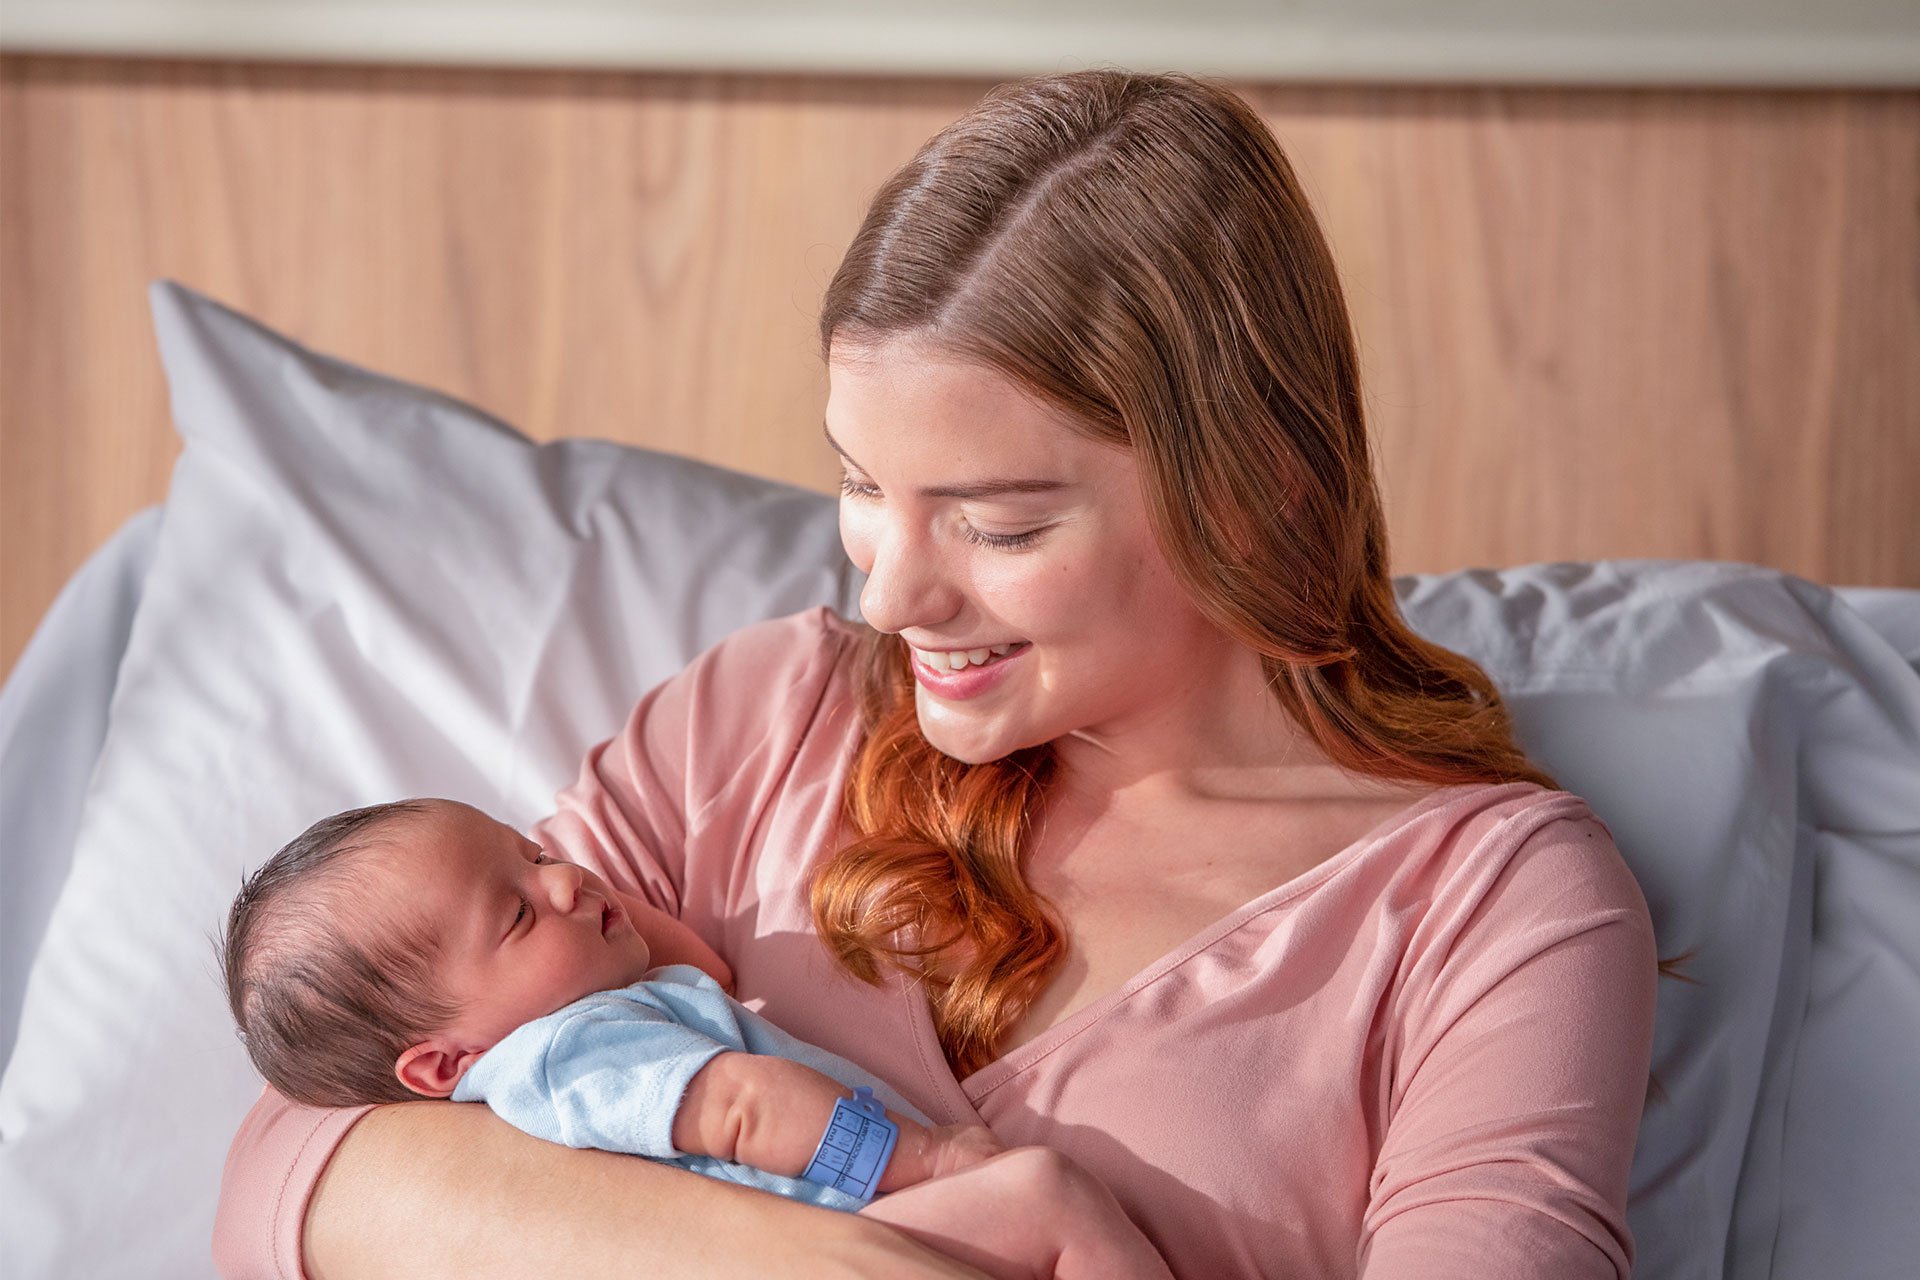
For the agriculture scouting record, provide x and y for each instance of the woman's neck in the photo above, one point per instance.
(1224, 738)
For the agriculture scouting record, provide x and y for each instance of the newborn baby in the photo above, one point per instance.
(422, 949)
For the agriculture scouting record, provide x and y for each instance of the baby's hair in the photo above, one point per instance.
(325, 1010)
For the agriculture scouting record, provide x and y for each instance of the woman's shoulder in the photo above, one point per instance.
(812, 640)
(769, 698)
(776, 668)
(1515, 882)
(1524, 849)
(1521, 804)
(715, 738)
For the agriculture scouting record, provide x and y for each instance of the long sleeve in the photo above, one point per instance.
(1521, 1075)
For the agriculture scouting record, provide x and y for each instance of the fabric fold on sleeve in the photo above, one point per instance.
(272, 1167)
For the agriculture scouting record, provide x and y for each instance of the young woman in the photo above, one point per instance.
(1135, 824)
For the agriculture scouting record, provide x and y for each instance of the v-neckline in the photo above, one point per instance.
(968, 1093)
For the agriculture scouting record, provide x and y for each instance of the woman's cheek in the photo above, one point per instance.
(1061, 582)
(1013, 589)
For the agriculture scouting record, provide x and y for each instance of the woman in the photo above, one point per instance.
(1204, 870)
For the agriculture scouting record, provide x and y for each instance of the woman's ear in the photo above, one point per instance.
(432, 1069)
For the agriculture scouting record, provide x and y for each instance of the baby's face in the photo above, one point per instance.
(520, 934)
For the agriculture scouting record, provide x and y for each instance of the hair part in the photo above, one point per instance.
(1135, 250)
(323, 1012)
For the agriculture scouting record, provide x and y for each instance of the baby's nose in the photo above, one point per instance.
(564, 880)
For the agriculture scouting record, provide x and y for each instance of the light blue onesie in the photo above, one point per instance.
(609, 1070)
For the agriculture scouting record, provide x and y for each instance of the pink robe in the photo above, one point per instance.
(1424, 1058)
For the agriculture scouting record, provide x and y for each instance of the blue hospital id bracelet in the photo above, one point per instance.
(854, 1151)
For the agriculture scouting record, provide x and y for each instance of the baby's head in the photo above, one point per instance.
(384, 949)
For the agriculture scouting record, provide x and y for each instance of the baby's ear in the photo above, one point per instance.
(431, 1069)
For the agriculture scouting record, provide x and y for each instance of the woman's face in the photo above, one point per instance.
(982, 520)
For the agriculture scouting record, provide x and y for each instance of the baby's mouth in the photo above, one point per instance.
(609, 917)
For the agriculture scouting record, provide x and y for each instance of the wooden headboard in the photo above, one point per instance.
(1595, 323)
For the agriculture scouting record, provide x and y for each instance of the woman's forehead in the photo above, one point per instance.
(948, 421)
(934, 383)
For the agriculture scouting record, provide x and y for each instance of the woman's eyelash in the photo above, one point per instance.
(1004, 541)
(1000, 541)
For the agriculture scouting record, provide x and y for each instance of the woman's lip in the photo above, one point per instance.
(970, 682)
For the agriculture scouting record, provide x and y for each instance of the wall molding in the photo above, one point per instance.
(1758, 43)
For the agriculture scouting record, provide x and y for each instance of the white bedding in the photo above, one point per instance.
(363, 590)
(53, 718)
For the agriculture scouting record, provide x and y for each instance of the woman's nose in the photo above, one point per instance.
(906, 588)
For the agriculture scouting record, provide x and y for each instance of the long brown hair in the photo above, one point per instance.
(1137, 250)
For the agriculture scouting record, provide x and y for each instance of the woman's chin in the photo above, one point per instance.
(959, 734)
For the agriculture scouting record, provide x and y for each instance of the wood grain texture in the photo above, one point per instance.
(1594, 323)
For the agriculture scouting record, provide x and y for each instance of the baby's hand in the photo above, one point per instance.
(958, 1146)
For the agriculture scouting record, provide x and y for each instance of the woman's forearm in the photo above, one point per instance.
(433, 1189)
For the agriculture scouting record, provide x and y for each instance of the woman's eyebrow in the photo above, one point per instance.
(978, 489)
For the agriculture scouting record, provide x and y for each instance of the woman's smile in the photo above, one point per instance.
(960, 659)
(971, 678)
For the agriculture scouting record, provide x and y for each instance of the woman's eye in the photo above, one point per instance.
(1003, 541)
(999, 541)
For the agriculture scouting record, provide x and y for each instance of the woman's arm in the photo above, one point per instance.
(429, 1189)
(1025, 1214)
(1523, 1067)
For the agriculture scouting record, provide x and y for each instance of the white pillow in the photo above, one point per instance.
(361, 590)
(1754, 746)
(364, 590)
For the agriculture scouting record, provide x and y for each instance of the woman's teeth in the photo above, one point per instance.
(961, 659)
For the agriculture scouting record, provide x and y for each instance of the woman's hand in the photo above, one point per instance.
(1025, 1214)
(432, 1189)
(960, 1146)
(935, 1151)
